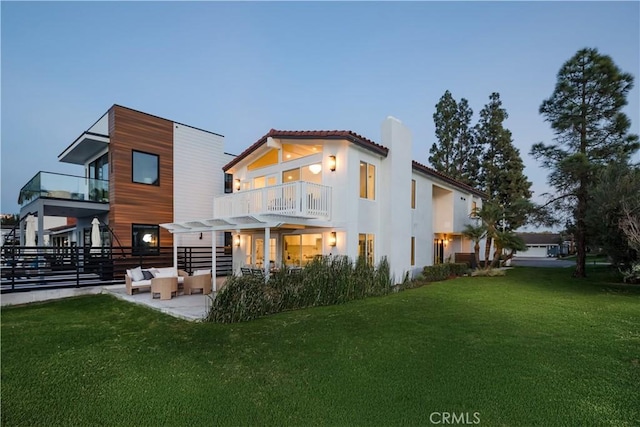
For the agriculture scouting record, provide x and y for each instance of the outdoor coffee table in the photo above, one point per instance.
(165, 286)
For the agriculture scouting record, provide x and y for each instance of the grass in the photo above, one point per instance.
(532, 348)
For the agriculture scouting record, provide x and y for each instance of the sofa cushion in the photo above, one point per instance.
(166, 272)
(201, 272)
(136, 274)
(141, 283)
(147, 275)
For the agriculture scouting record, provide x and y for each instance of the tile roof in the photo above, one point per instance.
(429, 171)
(349, 136)
(310, 134)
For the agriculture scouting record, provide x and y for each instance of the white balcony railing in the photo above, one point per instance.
(297, 199)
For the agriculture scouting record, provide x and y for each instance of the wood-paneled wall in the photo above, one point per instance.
(133, 202)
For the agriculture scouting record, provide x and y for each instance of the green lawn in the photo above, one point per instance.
(532, 348)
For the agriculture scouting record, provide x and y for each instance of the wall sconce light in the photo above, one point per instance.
(236, 241)
(333, 239)
(332, 163)
(236, 184)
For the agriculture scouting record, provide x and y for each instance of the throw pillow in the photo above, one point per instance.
(147, 275)
(136, 274)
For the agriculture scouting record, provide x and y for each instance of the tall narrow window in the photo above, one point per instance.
(413, 195)
(145, 168)
(413, 251)
(366, 247)
(474, 209)
(228, 183)
(367, 181)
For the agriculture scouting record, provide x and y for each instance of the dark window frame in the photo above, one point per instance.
(133, 163)
(228, 183)
(141, 250)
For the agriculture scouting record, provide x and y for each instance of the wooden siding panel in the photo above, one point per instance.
(133, 202)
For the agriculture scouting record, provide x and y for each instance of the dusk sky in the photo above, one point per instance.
(240, 69)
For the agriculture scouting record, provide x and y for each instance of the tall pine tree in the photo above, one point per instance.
(456, 152)
(502, 176)
(585, 112)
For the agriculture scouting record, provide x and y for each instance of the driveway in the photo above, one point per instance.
(542, 262)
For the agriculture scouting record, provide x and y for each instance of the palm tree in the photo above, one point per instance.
(491, 214)
(475, 233)
(507, 240)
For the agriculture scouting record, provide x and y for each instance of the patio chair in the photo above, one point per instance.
(257, 272)
(200, 282)
(246, 271)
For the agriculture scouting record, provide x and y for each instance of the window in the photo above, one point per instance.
(292, 152)
(291, 175)
(413, 195)
(99, 168)
(145, 239)
(228, 183)
(365, 247)
(474, 209)
(228, 243)
(259, 182)
(413, 250)
(300, 249)
(308, 173)
(268, 159)
(367, 181)
(145, 168)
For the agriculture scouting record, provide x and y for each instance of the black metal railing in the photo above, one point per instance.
(45, 267)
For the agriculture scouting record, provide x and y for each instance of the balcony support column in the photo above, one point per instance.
(40, 224)
(214, 275)
(266, 250)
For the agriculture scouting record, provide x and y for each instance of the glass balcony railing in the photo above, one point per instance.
(66, 187)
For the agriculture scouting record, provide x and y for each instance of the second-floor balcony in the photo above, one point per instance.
(298, 199)
(66, 187)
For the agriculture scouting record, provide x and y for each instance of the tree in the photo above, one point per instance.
(11, 219)
(456, 153)
(503, 176)
(475, 233)
(585, 113)
(507, 240)
(614, 193)
(491, 214)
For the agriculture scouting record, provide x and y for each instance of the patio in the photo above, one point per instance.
(188, 307)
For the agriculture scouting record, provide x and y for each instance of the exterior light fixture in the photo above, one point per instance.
(236, 184)
(236, 241)
(332, 163)
(333, 239)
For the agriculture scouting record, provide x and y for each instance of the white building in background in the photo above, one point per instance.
(301, 194)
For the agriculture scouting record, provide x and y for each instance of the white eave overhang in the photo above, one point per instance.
(236, 223)
(88, 145)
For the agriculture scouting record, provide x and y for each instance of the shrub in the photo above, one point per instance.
(632, 275)
(324, 281)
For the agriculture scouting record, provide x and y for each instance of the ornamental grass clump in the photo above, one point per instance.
(324, 281)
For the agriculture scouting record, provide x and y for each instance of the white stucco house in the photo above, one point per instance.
(299, 194)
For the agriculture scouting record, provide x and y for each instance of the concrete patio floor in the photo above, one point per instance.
(188, 307)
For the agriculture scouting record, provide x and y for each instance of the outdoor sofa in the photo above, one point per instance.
(140, 279)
